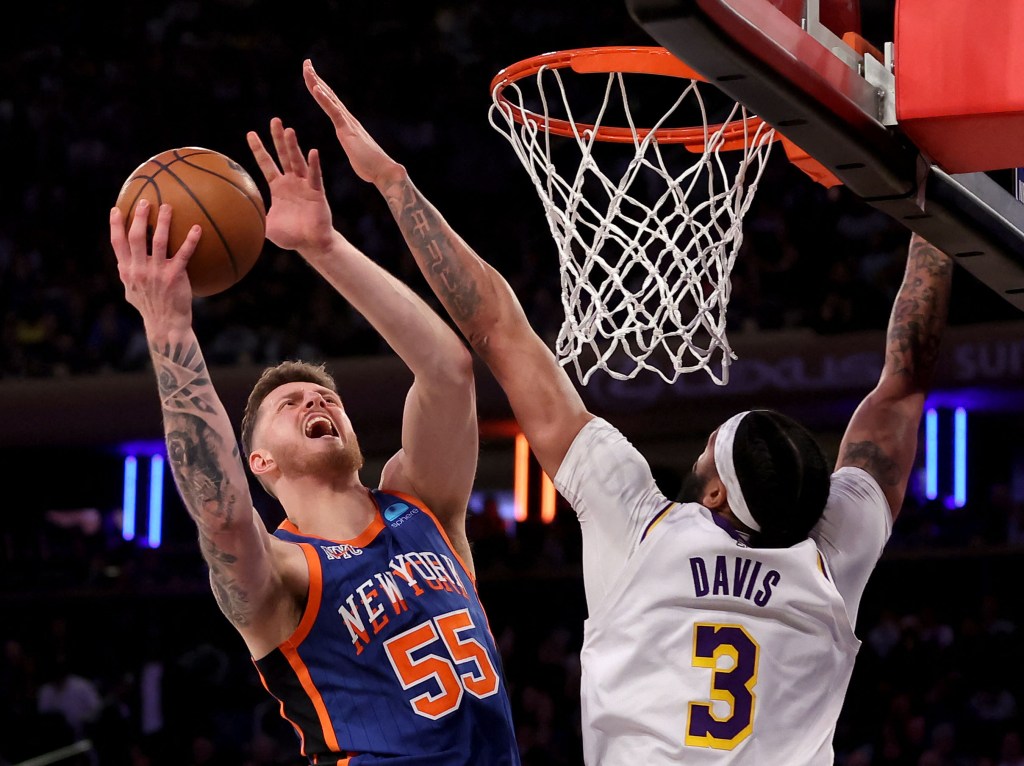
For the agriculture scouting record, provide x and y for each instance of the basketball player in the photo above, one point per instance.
(720, 625)
(360, 611)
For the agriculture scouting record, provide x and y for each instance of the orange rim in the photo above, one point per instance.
(606, 60)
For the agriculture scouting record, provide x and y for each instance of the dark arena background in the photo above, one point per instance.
(100, 574)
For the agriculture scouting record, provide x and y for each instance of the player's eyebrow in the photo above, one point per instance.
(294, 394)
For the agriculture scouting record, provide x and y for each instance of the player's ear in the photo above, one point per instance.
(261, 462)
(715, 495)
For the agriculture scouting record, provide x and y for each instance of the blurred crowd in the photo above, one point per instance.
(88, 101)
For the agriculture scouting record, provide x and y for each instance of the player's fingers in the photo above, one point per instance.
(189, 244)
(326, 89)
(138, 229)
(295, 159)
(263, 159)
(277, 136)
(324, 96)
(316, 177)
(118, 237)
(162, 231)
(325, 102)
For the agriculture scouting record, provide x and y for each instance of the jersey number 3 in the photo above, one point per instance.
(464, 666)
(732, 685)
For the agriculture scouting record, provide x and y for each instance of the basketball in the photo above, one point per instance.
(207, 188)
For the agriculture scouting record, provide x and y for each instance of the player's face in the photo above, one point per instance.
(306, 429)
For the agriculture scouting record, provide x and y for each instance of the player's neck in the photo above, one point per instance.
(336, 512)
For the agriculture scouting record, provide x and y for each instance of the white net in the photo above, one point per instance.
(647, 232)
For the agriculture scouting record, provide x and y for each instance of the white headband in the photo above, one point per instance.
(727, 471)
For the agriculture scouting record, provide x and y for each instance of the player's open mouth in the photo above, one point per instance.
(319, 426)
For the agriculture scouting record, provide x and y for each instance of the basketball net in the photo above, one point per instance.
(647, 241)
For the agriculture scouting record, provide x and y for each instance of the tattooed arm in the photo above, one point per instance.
(547, 406)
(245, 565)
(882, 435)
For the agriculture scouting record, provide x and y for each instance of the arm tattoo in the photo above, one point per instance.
(912, 349)
(197, 452)
(435, 251)
(232, 599)
(195, 449)
(181, 377)
(919, 313)
(871, 458)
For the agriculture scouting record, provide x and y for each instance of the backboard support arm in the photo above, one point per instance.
(756, 55)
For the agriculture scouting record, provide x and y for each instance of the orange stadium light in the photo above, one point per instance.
(522, 477)
(521, 485)
(547, 499)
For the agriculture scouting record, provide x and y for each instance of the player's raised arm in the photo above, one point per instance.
(438, 459)
(882, 435)
(201, 445)
(547, 406)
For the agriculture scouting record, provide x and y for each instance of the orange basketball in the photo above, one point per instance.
(204, 187)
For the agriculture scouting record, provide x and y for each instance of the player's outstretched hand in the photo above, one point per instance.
(299, 217)
(369, 161)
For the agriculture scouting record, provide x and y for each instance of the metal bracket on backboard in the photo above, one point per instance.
(877, 73)
(813, 26)
(886, 81)
(883, 77)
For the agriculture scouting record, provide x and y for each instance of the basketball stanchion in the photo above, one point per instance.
(646, 238)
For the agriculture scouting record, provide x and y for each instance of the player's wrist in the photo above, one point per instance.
(393, 175)
(330, 246)
(167, 330)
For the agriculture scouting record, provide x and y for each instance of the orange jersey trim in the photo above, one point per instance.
(302, 673)
(314, 594)
(302, 736)
(363, 539)
(289, 649)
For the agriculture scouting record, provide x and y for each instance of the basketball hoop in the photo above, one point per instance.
(644, 260)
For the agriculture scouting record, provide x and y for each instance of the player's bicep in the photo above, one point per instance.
(242, 570)
(544, 401)
(440, 441)
(882, 439)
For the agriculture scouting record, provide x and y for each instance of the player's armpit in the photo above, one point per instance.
(882, 440)
(262, 594)
(871, 457)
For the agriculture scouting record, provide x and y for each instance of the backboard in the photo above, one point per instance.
(837, 103)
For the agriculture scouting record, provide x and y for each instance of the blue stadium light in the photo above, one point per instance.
(131, 525)
(959, 457)
(156, 500)
(131, 480)
(931, 454)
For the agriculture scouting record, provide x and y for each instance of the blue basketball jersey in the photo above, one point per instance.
(393, 661)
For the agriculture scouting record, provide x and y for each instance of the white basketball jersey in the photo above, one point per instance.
(697, 648)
